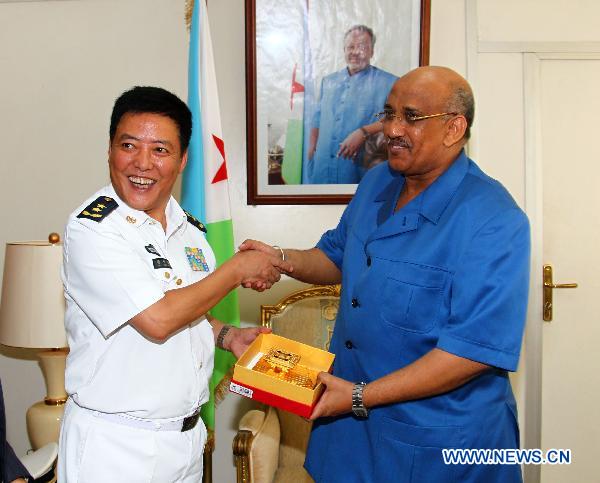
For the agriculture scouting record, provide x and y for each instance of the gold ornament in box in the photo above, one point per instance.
(285, 365)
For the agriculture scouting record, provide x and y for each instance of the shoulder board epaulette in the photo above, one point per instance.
(191, 219)
(98, 209)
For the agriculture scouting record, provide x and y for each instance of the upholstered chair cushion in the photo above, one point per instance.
(264, 454)
(292, 450)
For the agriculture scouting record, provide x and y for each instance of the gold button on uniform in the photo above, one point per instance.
(167, 275)
(179, 281)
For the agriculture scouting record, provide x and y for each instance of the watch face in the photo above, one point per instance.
(361, 412)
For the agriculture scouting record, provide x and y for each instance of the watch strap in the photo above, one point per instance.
(221, 337)
(358, 407)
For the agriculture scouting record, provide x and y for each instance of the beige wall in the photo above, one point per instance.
(63, 63)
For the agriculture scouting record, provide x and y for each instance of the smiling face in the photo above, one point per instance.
(422, 148)
(358, 50)
(145, 159)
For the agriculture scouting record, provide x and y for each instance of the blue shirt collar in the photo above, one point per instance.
(360, 73)
(436, 196)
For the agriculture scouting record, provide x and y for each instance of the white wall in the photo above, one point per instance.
(62, 64)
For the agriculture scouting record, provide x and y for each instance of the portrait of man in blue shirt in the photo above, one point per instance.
(433, 259)
(344, 117)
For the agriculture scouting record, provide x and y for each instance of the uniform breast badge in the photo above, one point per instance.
(286, 366)
(196, 259)
(161, 263)
(150, 249)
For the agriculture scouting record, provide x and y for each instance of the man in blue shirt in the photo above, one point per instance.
(433, 257)
(345, 113)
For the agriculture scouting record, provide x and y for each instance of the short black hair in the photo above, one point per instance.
(153, 100)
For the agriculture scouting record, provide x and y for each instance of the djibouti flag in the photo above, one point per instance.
(205, 189)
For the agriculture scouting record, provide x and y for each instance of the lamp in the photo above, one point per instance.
(32, 316)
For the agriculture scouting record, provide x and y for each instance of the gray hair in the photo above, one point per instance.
(361, 28)
(461, 101)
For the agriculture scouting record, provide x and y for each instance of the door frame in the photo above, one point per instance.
(532, 81)
(533, 54)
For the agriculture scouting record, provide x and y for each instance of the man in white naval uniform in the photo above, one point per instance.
(139, 278)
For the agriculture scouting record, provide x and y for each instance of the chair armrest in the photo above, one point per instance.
(256, 446)
(252, 421)
(209, 448)
(40, 461)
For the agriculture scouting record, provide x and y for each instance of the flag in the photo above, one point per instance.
(296, 87)
(205, 189)
(291, 167)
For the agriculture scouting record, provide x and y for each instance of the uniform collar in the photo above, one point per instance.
(176, 217)
(436, 196)
(174, 213)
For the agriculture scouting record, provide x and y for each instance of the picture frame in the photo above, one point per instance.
(291, 46)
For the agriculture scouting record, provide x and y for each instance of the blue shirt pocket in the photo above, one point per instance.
(409, 453)
(411, 297)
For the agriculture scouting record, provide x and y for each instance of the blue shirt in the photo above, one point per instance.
(450, 270)
(347, 102)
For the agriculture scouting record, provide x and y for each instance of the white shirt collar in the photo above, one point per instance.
(175, 215)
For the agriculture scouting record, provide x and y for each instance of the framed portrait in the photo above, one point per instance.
(317, 74)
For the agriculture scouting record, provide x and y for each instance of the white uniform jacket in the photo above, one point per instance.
(117, 262)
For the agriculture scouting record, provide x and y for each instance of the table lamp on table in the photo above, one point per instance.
(32, 316)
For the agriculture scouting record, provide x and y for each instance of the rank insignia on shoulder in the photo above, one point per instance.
(161, 263)
(196, 259)
(191, 219)
(150, 249)
(98, 209)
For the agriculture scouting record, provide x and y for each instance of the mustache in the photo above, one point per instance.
(399, 142)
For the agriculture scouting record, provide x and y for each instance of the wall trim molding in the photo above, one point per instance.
(532, 430)
(537, 47)
(472, 68)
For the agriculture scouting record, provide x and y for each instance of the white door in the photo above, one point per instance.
(569, 142)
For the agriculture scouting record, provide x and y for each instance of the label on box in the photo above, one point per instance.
(243, 391)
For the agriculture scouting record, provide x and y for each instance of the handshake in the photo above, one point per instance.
(259, 265)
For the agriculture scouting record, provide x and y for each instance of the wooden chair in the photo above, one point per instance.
(270, 445)
(207, 454)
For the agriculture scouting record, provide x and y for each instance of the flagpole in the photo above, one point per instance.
(205, 193)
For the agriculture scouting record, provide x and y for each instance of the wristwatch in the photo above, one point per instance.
(358, 408)
(221, 336)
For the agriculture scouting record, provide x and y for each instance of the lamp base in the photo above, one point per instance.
(43, 423)
(44, 417)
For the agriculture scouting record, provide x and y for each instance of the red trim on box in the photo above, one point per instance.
(271, 399)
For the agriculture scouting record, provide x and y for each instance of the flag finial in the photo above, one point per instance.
(189, 9)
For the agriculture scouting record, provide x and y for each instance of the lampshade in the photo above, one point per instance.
(33, 304)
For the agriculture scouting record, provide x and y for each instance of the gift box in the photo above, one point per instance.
(281, 372)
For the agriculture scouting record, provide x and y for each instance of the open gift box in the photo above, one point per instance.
(266, 370)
